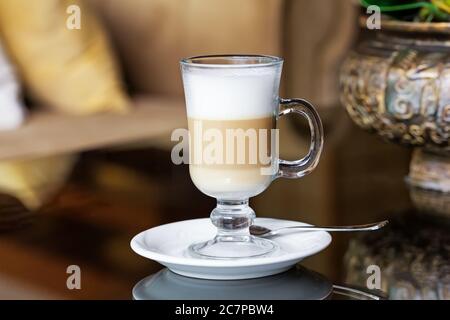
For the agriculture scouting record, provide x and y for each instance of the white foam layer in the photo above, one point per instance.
(231, 93)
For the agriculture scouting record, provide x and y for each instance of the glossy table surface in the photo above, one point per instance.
(112, 195)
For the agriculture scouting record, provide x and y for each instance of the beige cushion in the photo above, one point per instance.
(69, 70)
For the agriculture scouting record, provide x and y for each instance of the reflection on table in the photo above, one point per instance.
(295, 284)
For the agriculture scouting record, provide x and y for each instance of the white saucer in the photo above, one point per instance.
(168, 244)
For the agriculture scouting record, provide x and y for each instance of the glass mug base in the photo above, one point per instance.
(232, 218)
(233, 247)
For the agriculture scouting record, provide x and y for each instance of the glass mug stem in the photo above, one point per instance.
(233, 218)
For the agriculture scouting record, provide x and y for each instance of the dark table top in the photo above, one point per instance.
(112, 195)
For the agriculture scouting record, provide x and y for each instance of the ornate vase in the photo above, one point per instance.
(396, 83)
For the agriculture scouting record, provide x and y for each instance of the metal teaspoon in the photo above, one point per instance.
(261, 231)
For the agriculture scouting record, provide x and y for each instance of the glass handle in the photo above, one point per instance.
(299, 168)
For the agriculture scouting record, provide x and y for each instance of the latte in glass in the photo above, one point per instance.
(242, 118)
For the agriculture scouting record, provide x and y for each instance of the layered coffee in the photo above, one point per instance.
(231, 158)
(231, 116)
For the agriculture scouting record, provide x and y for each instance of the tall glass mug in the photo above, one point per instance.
(233, 108)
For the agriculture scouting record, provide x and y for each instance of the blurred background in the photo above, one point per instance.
(87, 111)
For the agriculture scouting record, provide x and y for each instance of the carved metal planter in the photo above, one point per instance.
(397, 83)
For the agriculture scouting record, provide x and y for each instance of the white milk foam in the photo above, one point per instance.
(231, 93)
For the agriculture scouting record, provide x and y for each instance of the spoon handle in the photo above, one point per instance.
(361, 227)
